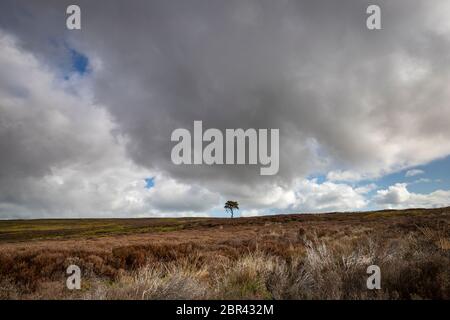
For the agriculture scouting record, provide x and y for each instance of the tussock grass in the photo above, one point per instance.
(314, 259)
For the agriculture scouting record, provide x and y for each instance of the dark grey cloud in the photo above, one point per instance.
(347, 100)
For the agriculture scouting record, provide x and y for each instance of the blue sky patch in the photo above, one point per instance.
(434, 177)
(149, 183)
(80, 62)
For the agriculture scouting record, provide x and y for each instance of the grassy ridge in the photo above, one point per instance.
(24, 230)
(47, 229)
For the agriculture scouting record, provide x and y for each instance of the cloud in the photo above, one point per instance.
(310, 196)
(60, 156)
(328, 196)
(398, 196)
(414, 172)
(343, 176)
(349, 102)
(422, 180)
(352, 106)
(169, 196)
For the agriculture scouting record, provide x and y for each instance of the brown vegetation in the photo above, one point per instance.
(278, 257)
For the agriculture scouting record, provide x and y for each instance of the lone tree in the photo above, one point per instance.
(230, 206)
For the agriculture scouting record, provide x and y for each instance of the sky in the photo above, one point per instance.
(86, 115)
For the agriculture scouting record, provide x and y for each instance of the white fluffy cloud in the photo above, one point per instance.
(328, 196)
(398, 196)
(308, 195)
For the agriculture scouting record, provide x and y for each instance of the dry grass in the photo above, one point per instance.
(280, 257)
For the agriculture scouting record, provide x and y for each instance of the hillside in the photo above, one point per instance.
(295, 256)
